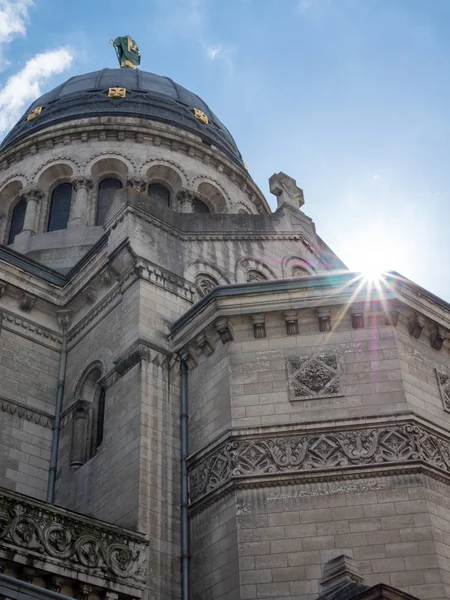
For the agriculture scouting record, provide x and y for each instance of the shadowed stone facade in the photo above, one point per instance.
(319, 445)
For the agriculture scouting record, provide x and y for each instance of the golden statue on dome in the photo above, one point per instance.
(127, 52)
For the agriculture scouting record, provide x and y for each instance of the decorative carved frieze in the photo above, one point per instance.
(12, 407)
(204, 344)
(291, 319)
(444, 388)
(312, 377)
(438, 336)
(223, 328)
(259, 326)
(42, 531)
(334, 451)
(324, 316)
(415, 325)
(26, 302)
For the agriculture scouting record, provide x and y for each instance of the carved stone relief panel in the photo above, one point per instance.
(444, 388)
(205, 283)
(312, 377)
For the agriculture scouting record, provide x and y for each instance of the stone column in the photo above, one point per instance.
(80, 416)
(186, 201)
(80, 202)
(32, 196)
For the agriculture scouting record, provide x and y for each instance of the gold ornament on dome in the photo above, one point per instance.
(201, 116)
(35, 113)
(117, 92)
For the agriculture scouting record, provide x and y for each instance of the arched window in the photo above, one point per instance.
(88, 418)
(60, 207)
(254, 275)
(159, 193)
(200, 207)
(299, 272)
(106, 190)
(17, 220)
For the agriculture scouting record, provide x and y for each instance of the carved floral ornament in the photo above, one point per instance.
(205, 284)
(283, 455)
(313, 377)
(43, 531)
(444, 388)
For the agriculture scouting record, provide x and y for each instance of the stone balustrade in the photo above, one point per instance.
(56, 541)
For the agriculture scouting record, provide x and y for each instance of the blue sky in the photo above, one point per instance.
(349, 97)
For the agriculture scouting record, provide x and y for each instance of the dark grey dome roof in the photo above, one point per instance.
(148, 95)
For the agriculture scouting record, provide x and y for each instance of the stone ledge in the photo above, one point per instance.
(271, 459)
(54, 539)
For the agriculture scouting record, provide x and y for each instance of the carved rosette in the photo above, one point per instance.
(205, 284)
(41, 530)
(328, 452)
(312, 377)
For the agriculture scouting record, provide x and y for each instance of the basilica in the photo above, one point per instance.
(198, 399)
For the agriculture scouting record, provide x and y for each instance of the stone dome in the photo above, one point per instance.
(148, 96)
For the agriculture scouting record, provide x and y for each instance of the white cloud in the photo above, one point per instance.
(213, 51)
(26, 85)
(13, 21)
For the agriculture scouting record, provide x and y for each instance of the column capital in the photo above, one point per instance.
(186, 199)
(80, 181)
(32, 193)
(138, 183)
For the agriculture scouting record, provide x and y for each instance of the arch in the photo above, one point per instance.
(9, 199)
(88, 415)
(247, 265)
(213, 197)
(60, 207)
(157, 192)
(292, 263)
(17, 220)
(167, 171)
(204, 276)
(103, 167)
(50, 176)
(106, 190)
(200, 207)
(166, 175)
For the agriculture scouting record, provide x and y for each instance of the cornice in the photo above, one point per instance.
(142, 131)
